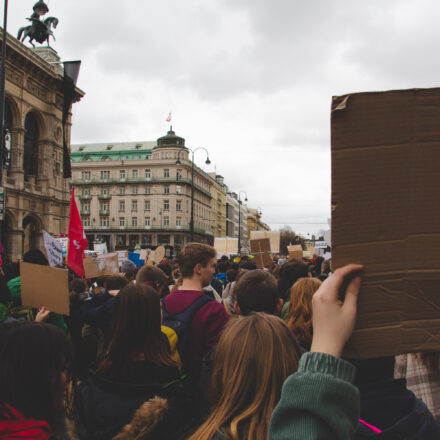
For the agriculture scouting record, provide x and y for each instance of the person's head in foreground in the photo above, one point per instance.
(136, 333)
(34, 371)
(152, 276)
(257, 291)
(299, 318)
(197, 262)
(254, 356)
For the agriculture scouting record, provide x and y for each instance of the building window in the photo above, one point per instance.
(135, 189)
(134, 221)
(85, 175)
(121, 222)
(121, 206)
(122, 190)
(104, 190)
(86, 221)
(31, 140)
(120, 240)
(178, 240)
(166, 205)
(103, 207)
(148, 174)
(147, 205)
(85, 207)
(166, 173)
(122, 174)
(134, 174)
(178, 189)
(178, 205)
(103, 222)
(163, 239)
(179, 175)
(147, 189)
(166, 221)
(179, 222)
(146, 240)
(134, 205)
(105, 175)
(86, 191)
(166, 189)
(147, 222)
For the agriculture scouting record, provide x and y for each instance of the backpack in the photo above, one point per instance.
(180, 321)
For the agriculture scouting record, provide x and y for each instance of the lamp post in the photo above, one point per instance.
(239, 219)
(191, 222)
(259, 214)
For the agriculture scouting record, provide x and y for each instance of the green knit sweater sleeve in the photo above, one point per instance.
(318, 402)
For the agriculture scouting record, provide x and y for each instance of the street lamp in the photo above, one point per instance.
(208, 162)
(259, 214)
(239, 219)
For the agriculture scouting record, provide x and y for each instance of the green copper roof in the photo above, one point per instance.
(170, 140)
(115, 151)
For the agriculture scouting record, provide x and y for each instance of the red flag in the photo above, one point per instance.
(77, 240)
(169, 118)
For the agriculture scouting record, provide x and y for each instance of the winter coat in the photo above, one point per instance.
(396, 411)
(104, 407)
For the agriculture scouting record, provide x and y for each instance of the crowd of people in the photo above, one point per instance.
(203, 348)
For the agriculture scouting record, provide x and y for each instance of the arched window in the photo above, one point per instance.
(31, 135)
(8, 138)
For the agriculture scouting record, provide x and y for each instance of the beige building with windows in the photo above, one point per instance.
(254, 222)
(134, 194)
(36, 195)
(218, 205)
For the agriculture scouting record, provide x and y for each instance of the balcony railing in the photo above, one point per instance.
(84, 211)
(104, 196)
(104, 212)
(85, 196)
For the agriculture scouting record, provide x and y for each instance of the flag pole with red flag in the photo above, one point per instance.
(77, 240)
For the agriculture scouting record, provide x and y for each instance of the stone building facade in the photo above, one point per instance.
(36, 194)
(218, 205)
(254, 222)
(236, 210)
(134, 194)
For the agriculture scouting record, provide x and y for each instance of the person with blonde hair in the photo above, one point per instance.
(298, 311)
(254, 356)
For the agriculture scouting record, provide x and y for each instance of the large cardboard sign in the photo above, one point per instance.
(108, 264)
(226, 245)
(91, 267)
(260, 249)
(273, 236)
(295, 252)
(54, 250)
(385, 215)
(44, 286)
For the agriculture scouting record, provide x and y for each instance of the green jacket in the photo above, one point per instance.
(17, 311)
(318, 402)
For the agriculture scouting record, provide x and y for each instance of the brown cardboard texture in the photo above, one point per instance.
(273, 236)
(45, 286)
(91, 267)
(108, 264)
(260, 249)
(385, 180)
(295, 252)
(159, 254)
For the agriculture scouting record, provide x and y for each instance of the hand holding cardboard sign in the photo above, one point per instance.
(42, 314)
(334, 320)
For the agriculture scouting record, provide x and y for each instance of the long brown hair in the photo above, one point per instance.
(255, 355)
(136, 332)
(299, 318)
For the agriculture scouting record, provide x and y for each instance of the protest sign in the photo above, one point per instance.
(134, 257)
(54, 250)
(159, 254)
(226, 245)
(91, 267)
(122, 256)
(101, 248)
(108, 264)
(273, 236)
(44, 286)
(260, 249)
(295, 252)
(63, 241)
(385, 165)
(321, 245)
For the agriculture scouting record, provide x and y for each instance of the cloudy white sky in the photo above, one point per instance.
(250, 80)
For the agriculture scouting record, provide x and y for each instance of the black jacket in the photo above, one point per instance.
(396, 411)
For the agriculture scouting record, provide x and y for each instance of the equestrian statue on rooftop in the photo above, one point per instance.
(38, 30)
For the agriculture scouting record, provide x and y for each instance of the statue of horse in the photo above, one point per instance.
(39, 31)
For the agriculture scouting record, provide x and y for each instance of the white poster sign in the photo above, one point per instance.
(63, 241)
(54, 250)
(321, 245)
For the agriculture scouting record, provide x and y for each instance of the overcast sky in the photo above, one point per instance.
(250, 80)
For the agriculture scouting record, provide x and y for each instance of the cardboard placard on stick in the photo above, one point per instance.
(45, 286)
(385, 158)
(159, 254)
(295, 252)
(273, 236)
(260, 249)
(91, 267)
(108, 264)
